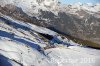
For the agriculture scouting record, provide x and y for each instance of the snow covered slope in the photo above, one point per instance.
(22, 44)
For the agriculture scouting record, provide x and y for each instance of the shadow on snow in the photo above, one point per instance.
(4, 61)
(12, 36)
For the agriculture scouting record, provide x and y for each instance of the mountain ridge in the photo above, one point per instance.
(81, 21)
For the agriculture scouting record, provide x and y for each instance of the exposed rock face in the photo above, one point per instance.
(78, 23)
(86, 28)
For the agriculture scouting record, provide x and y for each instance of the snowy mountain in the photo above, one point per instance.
(25, 44)
(48, 33)
(32, 6)
(77, 21)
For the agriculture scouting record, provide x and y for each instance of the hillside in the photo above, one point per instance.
(48, 33)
